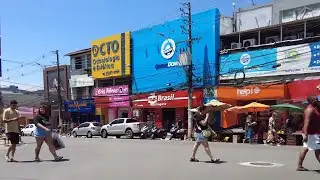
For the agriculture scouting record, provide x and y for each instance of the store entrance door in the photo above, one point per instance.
(169, 118)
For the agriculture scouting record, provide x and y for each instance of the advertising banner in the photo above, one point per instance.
(167, 99)
(27, 112)
(252, 92)
(114, 101)
(264, 60)
(112, 91)
(82, 106)
(51, 83)
(156, 53)
(297, 59)
(110, 56)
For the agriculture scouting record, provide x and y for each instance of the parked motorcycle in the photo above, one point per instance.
(158, 133)
(145, 132)
(177, 133)
(69, 133)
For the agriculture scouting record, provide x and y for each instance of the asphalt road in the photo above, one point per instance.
(121, 159)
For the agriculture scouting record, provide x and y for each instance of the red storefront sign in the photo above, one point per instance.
(167, 99)
(115, 101)
(300, 90)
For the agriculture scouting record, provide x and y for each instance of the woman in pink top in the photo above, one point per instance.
(310, 131)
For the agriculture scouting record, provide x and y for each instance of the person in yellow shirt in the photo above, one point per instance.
(11, 120)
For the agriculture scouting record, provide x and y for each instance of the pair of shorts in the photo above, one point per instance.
(199, 137)
(13, 137)
(40, 132)
(313, 142)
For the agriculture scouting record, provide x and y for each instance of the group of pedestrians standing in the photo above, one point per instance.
(42, 132)
(310, 131)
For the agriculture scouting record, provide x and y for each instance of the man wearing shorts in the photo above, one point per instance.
(311, 131)
(11, 120)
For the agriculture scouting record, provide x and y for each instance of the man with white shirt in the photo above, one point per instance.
(12, 129)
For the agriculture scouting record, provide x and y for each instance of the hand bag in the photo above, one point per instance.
(57, 141)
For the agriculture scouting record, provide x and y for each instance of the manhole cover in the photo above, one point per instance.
(261, 164)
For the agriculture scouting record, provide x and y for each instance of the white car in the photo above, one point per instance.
(28, 130)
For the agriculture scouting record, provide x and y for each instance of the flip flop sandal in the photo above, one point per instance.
(302, 169)
(215, 160)
(59, 158)
(194, 160)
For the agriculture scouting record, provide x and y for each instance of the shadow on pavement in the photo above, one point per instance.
(317, 171)
(220, 162)
(63, 160)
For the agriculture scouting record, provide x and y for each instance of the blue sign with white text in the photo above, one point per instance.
(253, 63)
(82, 106)
(156, 50)
(315, 54)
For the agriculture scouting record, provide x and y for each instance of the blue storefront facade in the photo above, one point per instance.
(156, 50)
(82, 110)
(156, 67)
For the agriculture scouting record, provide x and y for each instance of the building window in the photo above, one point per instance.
(79, 62)
(88, 61)
(81, 91)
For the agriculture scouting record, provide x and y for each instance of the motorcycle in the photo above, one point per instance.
(145, 132)
(177, 133)
(69, 133)
(158, 133)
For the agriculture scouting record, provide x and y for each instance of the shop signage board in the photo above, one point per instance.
(297, 59)
(111, 91)
(252, 92)
(110, 56)
(156, 53)
(82, 106)
(114, 101)
(300, 90)
(167, 99)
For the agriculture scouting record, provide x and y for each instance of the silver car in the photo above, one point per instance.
(120, 127)
(88, 129)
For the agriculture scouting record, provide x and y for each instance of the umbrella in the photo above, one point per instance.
(255, 107)
(237, 109)
(287, 107)
(218, 105)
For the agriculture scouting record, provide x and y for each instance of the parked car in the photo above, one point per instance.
(120, 127)
(88, 129)
(28, 130)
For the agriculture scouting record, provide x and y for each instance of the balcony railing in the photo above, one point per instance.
(75, 72)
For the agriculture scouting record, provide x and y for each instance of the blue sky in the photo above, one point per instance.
(31, 29)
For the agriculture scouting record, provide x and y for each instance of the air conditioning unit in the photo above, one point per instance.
(272, 39)
(287, 38)
(301, 35)
(249, 42)
(235, 45)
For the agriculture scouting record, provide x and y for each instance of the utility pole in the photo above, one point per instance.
(188, 30)
(59, 90)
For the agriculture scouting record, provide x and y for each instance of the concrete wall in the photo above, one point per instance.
(259, 16)
(281, 5)
(226, 25)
